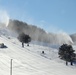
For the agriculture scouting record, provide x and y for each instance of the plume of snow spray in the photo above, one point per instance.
(4, 18)
(64, 38)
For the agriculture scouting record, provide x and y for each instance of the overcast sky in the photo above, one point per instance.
(51, 15)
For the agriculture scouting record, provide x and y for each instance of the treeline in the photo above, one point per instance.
(38, 34)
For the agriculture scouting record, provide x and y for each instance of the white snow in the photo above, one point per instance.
(30, 60)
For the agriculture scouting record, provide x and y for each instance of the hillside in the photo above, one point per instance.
(30, 61)
(38, 34)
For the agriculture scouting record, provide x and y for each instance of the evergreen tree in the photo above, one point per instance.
(66, 53)
(24, 38)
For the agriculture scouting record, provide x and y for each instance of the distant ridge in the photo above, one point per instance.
(38, 34)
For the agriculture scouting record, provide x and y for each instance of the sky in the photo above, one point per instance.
(51, 15)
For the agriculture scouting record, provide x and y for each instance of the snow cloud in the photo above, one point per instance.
(4, 17)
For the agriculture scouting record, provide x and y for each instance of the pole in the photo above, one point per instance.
(11, 67)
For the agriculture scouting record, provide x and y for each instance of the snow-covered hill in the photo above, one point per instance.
(39, 34)
(30, 60)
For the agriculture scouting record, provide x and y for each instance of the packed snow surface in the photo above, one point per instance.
(30, 60)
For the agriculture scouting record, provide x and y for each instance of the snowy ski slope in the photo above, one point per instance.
(30, 61)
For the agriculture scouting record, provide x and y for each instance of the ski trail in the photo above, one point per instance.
(31, 63)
